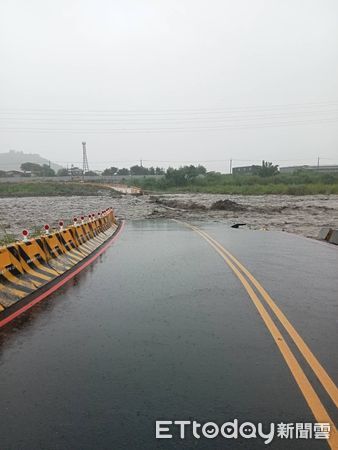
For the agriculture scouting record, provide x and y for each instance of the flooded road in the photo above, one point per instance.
(160, 328)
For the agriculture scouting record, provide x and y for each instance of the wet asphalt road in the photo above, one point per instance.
(159, 328)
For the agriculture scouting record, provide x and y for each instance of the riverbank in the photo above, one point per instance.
(52, 188)
(296, 184)
(300, 183)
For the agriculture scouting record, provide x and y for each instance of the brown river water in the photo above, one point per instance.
(302, 215)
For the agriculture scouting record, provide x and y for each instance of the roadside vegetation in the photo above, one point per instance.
(261, 180)
(46, 189)
(266, 180)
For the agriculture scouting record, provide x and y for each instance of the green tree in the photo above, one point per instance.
(47, 171)
(184, 175)
(36, 169)
(110, 171)
(62, 172)
(123, 171)
(138, 170)
(267, 169)
(159, 171)
(176, 176)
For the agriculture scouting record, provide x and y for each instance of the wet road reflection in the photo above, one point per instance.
(156, 329)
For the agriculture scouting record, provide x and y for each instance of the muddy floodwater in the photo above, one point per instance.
(302, 215)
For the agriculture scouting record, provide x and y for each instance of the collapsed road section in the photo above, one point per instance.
(32, 269)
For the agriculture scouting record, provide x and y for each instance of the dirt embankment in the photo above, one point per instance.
(302, 215)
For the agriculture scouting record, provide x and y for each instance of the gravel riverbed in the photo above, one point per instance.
(302, 215)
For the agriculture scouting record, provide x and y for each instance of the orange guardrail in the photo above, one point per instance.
(27, 265)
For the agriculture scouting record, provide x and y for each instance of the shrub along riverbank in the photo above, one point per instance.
(176, 180)
(302, 183)
(59, 188)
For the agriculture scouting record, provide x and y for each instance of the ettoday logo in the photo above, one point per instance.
(167, 429)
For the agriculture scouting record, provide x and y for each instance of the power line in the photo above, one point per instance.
(142, 120)
(238, 126)
(172, 110)
(199, 161)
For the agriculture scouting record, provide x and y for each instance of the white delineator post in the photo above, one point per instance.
(46, 228)
(75, 221)
(61, 225)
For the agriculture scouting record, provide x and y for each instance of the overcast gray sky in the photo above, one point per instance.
(178, 80)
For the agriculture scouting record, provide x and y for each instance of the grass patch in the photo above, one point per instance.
(282, 184)
(49, 189)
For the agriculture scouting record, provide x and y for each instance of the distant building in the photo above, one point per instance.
(245, 170)
(322, 169)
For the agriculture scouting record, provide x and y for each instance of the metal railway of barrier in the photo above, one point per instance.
(32, 269)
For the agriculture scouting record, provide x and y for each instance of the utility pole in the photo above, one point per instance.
(85, 166)
(230, 165)
(318, 163)
(141, 162)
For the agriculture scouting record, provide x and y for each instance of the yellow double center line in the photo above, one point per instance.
(310, 395)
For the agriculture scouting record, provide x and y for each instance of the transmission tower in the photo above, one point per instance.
(85, 166)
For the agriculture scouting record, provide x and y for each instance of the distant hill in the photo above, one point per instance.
(12, 160)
